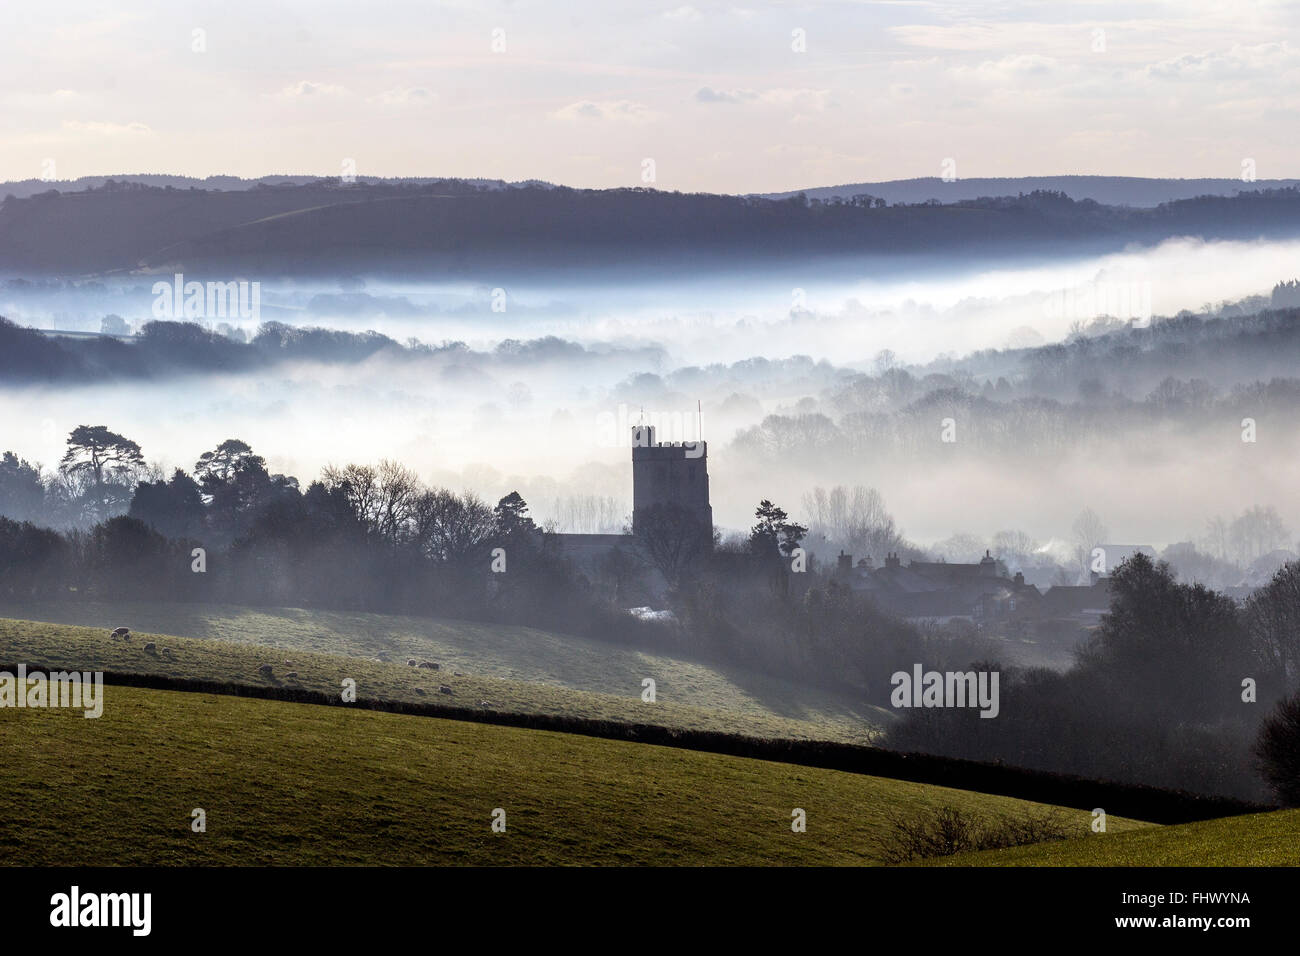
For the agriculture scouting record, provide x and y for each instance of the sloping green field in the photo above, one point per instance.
(549, 664)
(285, 783)
(1257, 839)
(59, 646)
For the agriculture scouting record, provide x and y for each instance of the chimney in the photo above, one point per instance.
(988, 566)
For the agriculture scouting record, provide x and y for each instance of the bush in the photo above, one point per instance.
(948, 831)
(1278, 750)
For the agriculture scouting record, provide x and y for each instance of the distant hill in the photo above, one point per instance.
(1107, 190)
(463, 229)
(26, 188)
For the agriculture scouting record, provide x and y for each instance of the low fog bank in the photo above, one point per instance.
(1145, 425)
(975, 401)
(845, 310)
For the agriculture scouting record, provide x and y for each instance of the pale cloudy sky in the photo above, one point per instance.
(722, 97)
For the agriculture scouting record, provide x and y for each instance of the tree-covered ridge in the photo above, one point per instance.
(468, 228)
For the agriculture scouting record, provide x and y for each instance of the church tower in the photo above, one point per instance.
(665, 473)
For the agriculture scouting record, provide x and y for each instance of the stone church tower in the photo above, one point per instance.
(670, 473)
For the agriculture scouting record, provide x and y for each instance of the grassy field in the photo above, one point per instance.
(58, 646)
(490, 651)
(1259, 839)
(285, 783)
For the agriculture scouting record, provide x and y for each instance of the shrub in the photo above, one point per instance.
(1278, 750)
(948, 831)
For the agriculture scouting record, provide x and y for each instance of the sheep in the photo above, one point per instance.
(410, 662)
(150, 647)
(124, 633)
(292, 675)
(484, 703)
(429, 664)
(420, 691)
(266, 670)
(444, 689)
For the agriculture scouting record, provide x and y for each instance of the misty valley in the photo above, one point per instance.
(1002, 516)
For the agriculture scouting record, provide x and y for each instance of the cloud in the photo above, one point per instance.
(107, 129)
(406, 96)
(707, 94)
(802, 99)
(685, 13)
(1008, 69)
(1238, 62)
(610, 110)
(967, 36)
(42, 100)
(306, 89)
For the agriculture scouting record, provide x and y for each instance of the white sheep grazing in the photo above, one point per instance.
(121, 632)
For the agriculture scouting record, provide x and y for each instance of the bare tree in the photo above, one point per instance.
(399, 487)
(382, 497)
(1255, 533)
(1216, 538)
(962, 548)
(1015, 548)
(1273, 623)
(1088, 531)
(587, 514)
(852, 518)
(451, 528)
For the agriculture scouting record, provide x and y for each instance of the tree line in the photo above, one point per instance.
(1179, 686)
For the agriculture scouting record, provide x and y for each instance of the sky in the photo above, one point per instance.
(719, 97)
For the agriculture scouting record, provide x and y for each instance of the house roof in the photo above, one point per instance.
(1072, 599)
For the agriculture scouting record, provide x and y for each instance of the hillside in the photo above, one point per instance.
(517, 669)
(461, 229)
(1260, 839)
(1109, 190)
(280, 783)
